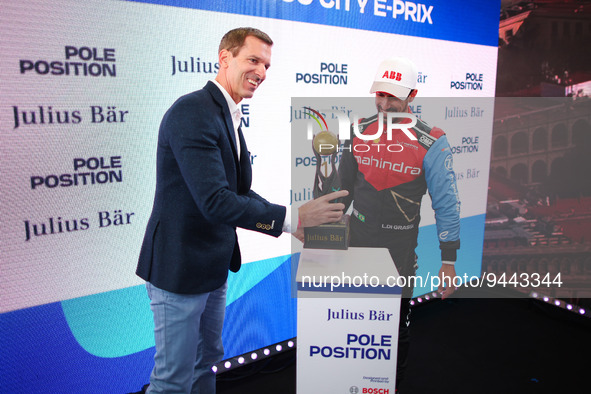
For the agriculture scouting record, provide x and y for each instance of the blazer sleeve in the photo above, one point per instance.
(196, 136)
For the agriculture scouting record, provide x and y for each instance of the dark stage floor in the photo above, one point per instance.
(467, 345)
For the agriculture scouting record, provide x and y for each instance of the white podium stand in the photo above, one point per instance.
(347, 334)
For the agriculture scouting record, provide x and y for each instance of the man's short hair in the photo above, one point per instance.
(234, 39)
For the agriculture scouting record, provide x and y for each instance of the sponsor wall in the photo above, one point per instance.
(84, 86)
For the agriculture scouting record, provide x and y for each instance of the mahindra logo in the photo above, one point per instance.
(388, 165)
(392, 75)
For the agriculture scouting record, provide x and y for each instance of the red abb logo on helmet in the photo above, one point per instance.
(392, 75)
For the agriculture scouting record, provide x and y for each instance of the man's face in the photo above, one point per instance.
(247, 70)
(385, 102)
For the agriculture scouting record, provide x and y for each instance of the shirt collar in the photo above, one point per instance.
(232, 106)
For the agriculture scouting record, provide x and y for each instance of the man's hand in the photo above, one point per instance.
(319, 211)
(447, 273)
(299, 234)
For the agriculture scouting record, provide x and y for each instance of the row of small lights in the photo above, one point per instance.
(560, 303)
(556, 302)
(427, 297)
(251, 357)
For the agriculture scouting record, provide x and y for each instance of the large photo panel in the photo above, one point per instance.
(84, 87)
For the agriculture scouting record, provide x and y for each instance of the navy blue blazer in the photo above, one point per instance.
(202, 195)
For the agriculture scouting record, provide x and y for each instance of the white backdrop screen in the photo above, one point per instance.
(83, 88)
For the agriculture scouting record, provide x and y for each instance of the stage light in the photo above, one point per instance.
(425, 298)
(559, 303)
(214, 369)
(245, 359)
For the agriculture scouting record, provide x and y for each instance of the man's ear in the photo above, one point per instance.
(224, 58)
(412, 95)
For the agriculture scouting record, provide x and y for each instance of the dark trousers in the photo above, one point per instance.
(402, 251)
(408, 269)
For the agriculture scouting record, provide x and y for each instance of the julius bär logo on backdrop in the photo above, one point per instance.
(47, 115)
(193, 65)
(77, 61)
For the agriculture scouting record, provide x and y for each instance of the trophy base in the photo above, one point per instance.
(327, 236)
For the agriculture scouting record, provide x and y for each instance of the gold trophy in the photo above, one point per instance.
(330, 235)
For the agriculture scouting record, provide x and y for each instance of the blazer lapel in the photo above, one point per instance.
(221, 101)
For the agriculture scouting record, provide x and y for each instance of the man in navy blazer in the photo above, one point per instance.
(202, 195)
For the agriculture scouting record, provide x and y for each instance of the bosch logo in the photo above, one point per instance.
(392, 75)
(375, 391)
(354, 390)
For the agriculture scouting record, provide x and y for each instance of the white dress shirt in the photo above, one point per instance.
(236, 119)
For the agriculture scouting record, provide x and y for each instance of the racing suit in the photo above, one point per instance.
(386, 180)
